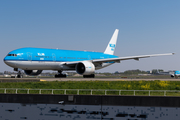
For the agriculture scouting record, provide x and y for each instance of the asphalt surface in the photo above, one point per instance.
(77, 79)
(102, 79)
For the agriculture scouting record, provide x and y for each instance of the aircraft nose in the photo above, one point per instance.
(9, 63)
(5, 59)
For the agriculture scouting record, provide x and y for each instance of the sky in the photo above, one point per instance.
(145, 27)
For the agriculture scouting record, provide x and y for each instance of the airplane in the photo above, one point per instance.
(34, 60)
(162, 73)
(176, 74)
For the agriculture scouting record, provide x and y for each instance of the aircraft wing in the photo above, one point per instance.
(130, 57)
(119, 59)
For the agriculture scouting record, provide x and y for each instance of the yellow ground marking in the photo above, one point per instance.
(42, 80)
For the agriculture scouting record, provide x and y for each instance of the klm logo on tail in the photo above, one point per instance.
(112, 46)
(112, 43)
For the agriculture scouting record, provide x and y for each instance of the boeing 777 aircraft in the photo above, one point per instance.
(34, 60)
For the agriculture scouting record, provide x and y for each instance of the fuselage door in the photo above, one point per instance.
(29, 56)
(54, 57)
(89, 57)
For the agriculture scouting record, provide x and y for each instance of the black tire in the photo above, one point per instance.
(60, 76)
(18, 76)
(89, 76)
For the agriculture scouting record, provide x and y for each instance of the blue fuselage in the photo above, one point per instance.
(177, 73)
(48, 59)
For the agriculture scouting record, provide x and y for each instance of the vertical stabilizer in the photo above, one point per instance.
(112, 43)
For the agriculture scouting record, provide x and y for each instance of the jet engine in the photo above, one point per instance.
(85, 68)
(172, 75)
(33, 72)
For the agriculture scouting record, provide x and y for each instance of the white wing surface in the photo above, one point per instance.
(130, 57)
(119, 59)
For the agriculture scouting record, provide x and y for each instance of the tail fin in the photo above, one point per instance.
(112, 43)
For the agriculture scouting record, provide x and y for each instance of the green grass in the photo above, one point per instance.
(109, 85)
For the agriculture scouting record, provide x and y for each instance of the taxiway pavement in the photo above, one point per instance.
(77, 79)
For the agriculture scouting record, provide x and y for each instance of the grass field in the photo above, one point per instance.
(101, 85)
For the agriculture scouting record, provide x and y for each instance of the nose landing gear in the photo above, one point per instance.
(18, 75)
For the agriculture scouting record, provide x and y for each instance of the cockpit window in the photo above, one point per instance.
(12, 55)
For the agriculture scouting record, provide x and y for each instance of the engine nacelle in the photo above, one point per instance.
(172, 75)
(85, 68)
(33, 72)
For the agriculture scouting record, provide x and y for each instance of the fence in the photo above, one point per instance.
(90, 92)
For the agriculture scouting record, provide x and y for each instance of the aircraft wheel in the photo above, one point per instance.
(19, 76)
(60, 76)
(89, 76)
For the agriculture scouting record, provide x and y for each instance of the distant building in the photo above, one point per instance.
(149, 72)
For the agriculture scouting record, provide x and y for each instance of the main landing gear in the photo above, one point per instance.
(89, 76)
(60, 75)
